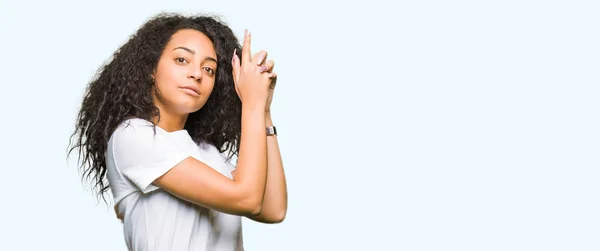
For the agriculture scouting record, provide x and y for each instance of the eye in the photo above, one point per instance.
(181, 60)
(209, 70)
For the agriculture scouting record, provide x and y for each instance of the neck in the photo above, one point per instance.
(170, 122)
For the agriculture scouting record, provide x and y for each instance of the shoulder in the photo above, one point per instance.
(133, 130)
(134, 124)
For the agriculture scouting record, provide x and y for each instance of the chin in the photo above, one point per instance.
(187, 109)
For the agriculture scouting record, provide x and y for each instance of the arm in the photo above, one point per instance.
(198, 183)
(274, 206)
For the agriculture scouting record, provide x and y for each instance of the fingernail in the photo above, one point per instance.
(246, 32)
(259, 61)
(234, 55)
(263, 68)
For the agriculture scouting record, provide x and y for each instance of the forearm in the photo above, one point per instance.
(252, 160)
(274, 204)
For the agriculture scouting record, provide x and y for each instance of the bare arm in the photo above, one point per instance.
(198, 183)
(274, 206)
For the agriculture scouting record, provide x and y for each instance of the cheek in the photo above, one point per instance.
(209, 86)
(167, 73)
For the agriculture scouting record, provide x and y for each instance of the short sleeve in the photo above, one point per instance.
(142, 155)
(229, 162)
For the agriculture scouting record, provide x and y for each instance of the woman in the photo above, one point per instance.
(159, 125)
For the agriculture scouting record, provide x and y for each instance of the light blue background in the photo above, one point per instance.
(415, 125)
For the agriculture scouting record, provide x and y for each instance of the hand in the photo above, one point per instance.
(262, 56)
(251, 77)
(273, 77)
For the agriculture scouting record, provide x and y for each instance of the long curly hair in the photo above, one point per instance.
(122, 88)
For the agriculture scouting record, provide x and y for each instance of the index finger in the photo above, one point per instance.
(246, 48)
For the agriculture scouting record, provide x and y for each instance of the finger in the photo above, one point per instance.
(262, 55)
(235, 70)
(255, 55)
(235, 63)
(246, 48)
(273, 77)
(267, 67)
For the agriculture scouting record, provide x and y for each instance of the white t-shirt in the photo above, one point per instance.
(153, 218)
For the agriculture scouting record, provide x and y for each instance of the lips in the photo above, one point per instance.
(191, 89)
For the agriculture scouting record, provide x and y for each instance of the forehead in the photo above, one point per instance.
(194, 40)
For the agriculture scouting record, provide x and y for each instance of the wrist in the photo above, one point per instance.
(268, 120)
(253, 108)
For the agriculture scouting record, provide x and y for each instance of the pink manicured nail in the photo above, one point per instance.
(260, 59)
(263, 68)
(233, 57)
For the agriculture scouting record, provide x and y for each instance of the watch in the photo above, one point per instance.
(271, 130)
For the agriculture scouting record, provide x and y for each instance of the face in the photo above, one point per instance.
(185, 74)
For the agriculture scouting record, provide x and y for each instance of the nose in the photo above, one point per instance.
(195, 74)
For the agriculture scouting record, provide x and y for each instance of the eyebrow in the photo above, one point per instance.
(193, 52)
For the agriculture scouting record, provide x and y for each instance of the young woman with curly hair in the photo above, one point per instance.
(160, 124)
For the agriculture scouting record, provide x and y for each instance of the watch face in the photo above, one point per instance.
(271, 130)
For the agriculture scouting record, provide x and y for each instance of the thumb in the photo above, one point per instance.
(235, 63)
(236, 66)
